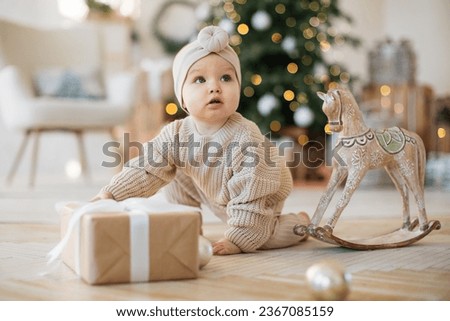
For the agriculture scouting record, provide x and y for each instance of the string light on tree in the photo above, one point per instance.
(344, 77)
(277, 37)
(171, 109)
(325, 46)
(235, 40)
(314, 21)
(288, 95)
(294, 105)
(303, 139)
(292, 68)
(275, 126)
(256, 79)
(385, 90)
(249, 91)
(243, 29)
(280, 8)
(291, 22)
(302, 98)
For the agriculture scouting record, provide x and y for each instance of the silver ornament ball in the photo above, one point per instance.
(261, 20)
(328, 281)
(266, 104)
(289, 44)
(303, 116)
(205, 251)
(227, 25)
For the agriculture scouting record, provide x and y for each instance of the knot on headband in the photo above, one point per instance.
(213, 39)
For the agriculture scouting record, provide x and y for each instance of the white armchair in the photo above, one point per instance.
(23, 110)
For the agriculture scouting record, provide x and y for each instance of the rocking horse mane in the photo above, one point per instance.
(346, 96)
(352, 116)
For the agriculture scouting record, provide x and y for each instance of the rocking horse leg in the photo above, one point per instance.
(337, 176)
(402, 188)
(418, 193)
(412, 169)
(351, 185)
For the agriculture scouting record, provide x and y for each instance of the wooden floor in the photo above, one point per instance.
(418, 272)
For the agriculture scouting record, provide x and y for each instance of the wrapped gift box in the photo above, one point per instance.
(111, 247)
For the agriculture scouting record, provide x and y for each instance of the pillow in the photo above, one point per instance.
(69, 83)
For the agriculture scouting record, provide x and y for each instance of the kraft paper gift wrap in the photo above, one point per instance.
(113, 242)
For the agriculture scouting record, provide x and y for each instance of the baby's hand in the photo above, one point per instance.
(225, 247)
(102, 196)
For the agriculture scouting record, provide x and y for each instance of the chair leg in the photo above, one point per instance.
(120, 149)
(34, 157)
(18, 158)
(82, 153)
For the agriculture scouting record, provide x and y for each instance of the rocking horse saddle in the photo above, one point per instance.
(392, 140)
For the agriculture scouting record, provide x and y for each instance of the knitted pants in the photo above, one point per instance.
(182, 190)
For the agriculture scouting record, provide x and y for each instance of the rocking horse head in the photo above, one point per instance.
(342, 111)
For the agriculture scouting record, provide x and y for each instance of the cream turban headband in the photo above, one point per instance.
(210, 39)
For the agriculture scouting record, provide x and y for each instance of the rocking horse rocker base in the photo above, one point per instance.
(398, 238)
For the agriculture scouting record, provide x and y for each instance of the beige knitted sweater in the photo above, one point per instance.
(235, 169)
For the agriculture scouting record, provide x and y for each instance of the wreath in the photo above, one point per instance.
(170, 44)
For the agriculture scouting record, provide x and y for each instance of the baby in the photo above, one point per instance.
(215, 156)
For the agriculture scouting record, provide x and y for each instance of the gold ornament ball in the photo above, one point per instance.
(328, 281)
(205, 251)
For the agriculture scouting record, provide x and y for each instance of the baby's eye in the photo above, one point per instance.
(199, 80)
(226, 78)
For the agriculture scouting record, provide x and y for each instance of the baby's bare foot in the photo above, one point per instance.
(304, 218)
(305, 221)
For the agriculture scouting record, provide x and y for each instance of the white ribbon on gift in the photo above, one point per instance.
(138, 209)
(139, 246)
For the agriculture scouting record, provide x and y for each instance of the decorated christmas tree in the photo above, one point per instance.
(281, 45)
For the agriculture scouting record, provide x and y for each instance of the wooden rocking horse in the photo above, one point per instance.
(359, 149)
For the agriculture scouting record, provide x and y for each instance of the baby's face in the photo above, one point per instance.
(211, 91)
